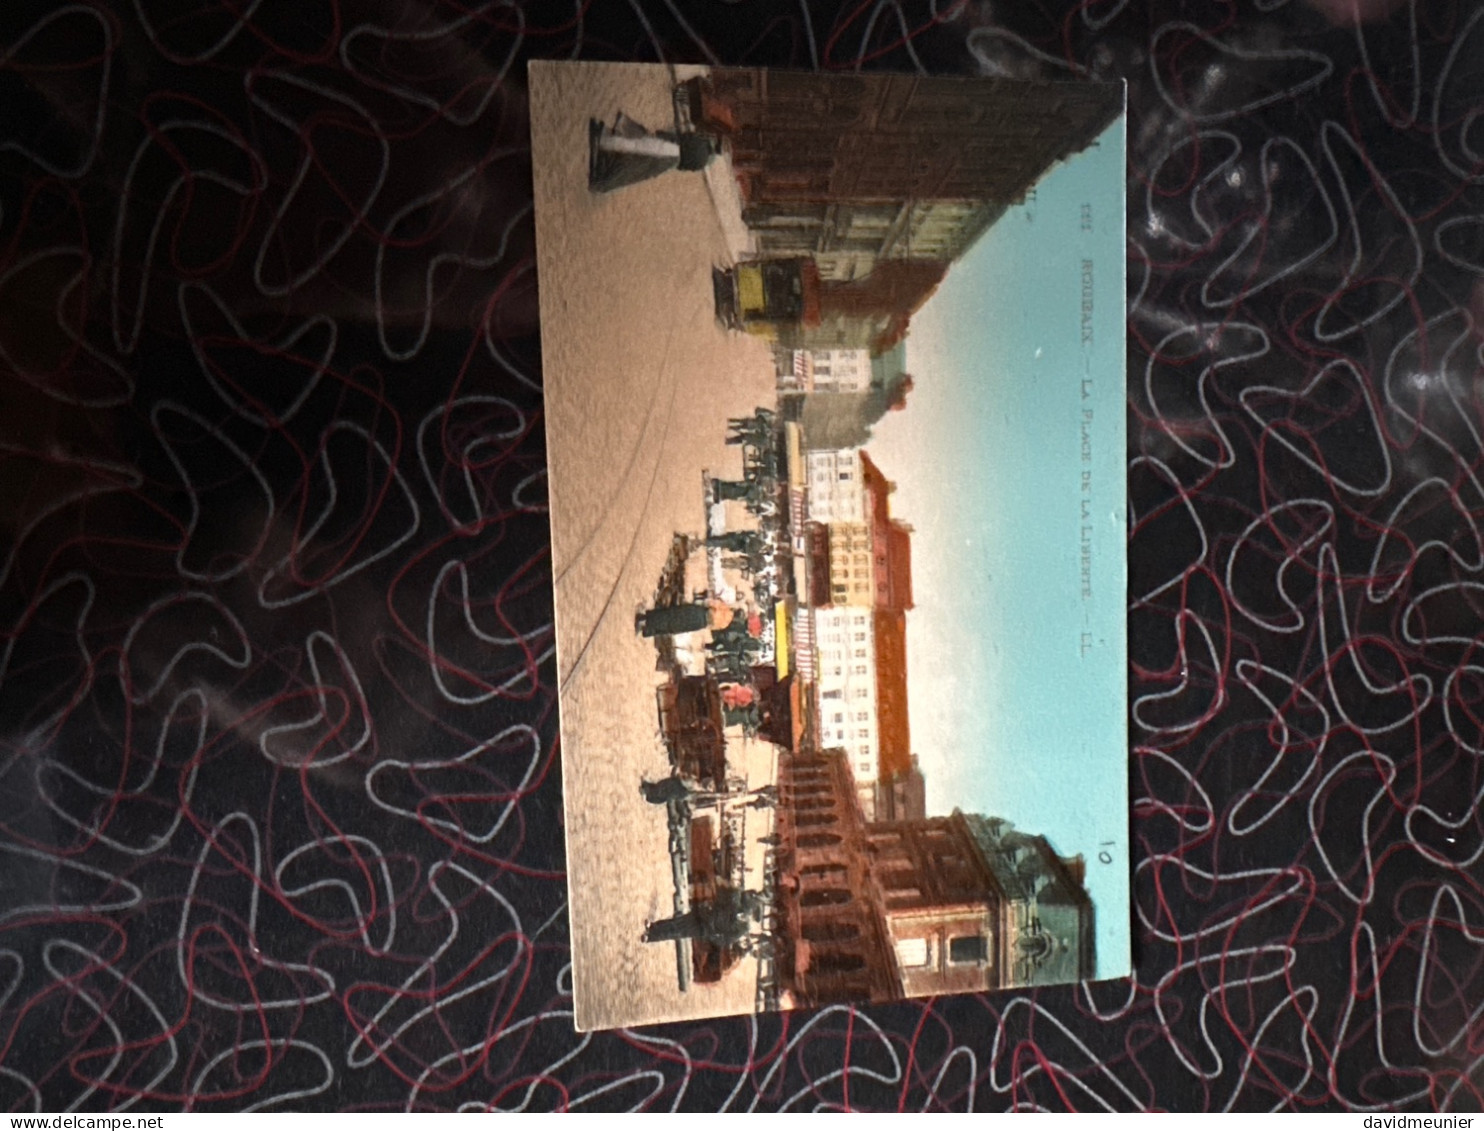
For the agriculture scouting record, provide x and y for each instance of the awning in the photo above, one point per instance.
(793, 441)
(781, 641)
(799, 716)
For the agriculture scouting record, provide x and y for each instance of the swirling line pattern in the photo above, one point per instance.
(281, 811)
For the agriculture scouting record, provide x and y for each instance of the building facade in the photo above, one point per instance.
(845, 688)
(792, 370)
(871, 911)
(840, 371)
(852, 579)
(893, 724)
(861, 587)
(891, 542)
(860, 169)
(943, 906)
(836, 486)
(1048, 922)
(870, 312)
(972, 904)
(826, 371)
(830, 942)
(849, 240)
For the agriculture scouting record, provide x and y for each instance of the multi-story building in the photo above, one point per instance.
(942, 905)
(891, 541)
(836, 486)
(893, 730)
(861, 586)
(882, 181)
(792, 370)
(841, 371)
(841, 415)
(845, 684)
(824, 371)
(871, 312)
(1047, 928)
(972, 904)
(831, 943)
(862, 169)
(860, 681)
(864, 556)
(852, 578)
(915, 907)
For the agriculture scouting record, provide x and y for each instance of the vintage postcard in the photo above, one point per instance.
(834, 374)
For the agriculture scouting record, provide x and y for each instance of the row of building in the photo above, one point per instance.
(878, 899)
(859, 192)
(853, 576)
(880, 910)
(875, 184)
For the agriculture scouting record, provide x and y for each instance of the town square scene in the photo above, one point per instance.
(772, 654)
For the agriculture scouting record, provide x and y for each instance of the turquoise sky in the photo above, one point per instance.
(1016, 679)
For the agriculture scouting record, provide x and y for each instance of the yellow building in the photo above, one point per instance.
(850, 564)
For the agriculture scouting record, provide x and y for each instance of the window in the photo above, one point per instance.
(912, 952)
(860, 692)
(824, 897)
(839, 716)
(834, 693)
(863, 732)
(860, 653)
(860, 669)
(837, 962)
(860, 637)
(830, 930)
(862, 716)
(968, 948)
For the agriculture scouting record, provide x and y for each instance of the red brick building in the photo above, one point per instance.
(972, 904)
(891, 542)
(942, 903)
(854, 169)
(831, 943)
(893, 728)
(926, 905)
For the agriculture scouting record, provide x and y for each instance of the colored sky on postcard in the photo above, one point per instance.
(1016, 673)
